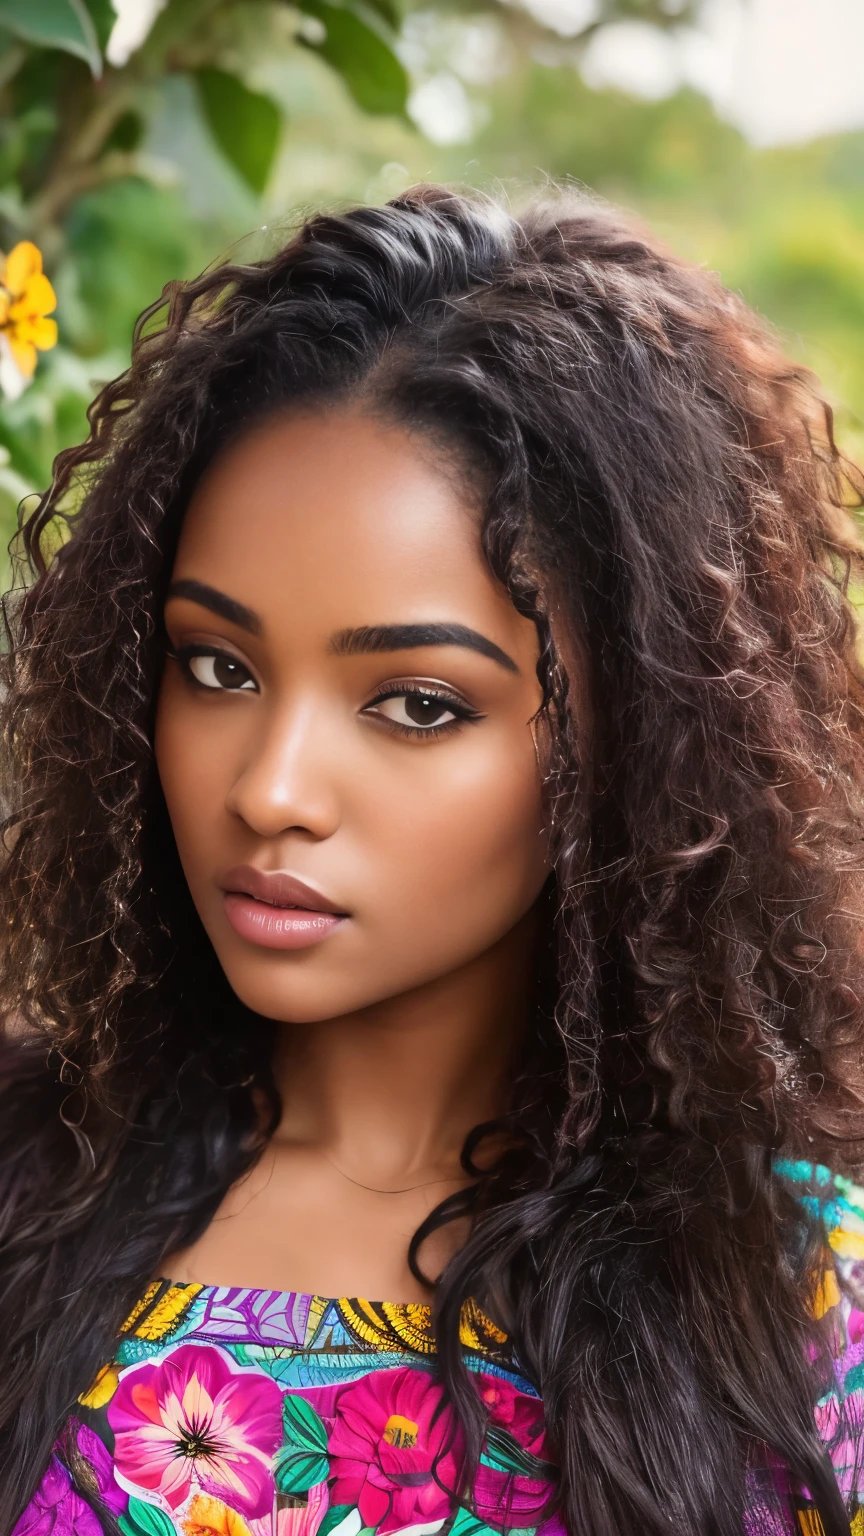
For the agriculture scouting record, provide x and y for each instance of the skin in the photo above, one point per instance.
(397, 1028)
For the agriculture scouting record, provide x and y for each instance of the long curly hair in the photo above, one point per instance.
(663, 496)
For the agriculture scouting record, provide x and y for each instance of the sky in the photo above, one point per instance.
(799, 69)
(781, 70)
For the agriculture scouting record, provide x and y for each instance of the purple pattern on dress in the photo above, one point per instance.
(768, 1495)
(235, 1313)
(56, 1509)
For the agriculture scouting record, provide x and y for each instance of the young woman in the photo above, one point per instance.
(433, 874)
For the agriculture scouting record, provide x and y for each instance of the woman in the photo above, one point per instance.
(434, 875)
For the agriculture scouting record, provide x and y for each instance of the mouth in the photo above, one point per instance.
(276, 910)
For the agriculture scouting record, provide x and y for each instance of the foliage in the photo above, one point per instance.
(238, 115)
(785, 227)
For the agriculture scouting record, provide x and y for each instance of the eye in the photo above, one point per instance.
(216, 670)
(420, 711)
(416, 709)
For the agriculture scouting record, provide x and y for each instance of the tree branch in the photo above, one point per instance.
(46, 209)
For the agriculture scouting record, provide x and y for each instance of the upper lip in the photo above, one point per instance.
(278, 889)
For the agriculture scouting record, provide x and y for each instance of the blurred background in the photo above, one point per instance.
(140, 140)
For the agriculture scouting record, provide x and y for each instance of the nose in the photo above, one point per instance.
(287, 783)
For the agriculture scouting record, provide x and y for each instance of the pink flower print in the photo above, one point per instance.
(512, 1497)
(855, 1326)
(392, 1436)
(517, 1412)
(840, 1430)
(554, 1526)
(56, 1509)
(194, 1420)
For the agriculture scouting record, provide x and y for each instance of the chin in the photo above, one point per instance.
(295, 999)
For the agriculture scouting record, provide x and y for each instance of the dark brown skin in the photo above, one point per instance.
(399, 1026)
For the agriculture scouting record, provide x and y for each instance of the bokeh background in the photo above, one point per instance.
(141, 141)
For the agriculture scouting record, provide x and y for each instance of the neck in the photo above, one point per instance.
(390, 1092)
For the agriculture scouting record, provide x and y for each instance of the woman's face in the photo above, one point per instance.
(343, 731)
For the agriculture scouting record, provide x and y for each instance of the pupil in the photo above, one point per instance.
(423, 710)
(229, 674)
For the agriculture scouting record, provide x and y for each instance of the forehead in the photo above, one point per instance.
(340, 519)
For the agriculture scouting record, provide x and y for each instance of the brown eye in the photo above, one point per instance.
(423, 710)
(416, 710)
(219, 671)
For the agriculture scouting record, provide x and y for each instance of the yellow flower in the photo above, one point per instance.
(210, 1517)
(26, 299)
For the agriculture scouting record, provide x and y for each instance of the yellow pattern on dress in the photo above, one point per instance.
(207, 1516)
(846, 1244)
(811, 1525)
(412, 1325)
(317, 1307)
(477, 1331)
(103, 1388)
(827, 1294)
(367, 1323)
(165, 1312)
(139, 1307)
(394, 1326)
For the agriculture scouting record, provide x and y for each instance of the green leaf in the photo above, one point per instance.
(244, 124)
(143, 1519)
(298, 1471)
(334, 1516)
(302, 1425)
(388, 11)
(175, 23)
(302, 1461)
(358, 45)
(64, 24)
(468, 1524)
(103, 17)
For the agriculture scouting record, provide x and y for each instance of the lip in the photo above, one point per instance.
(277, 910)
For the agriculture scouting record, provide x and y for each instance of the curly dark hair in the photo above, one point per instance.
(664, 497)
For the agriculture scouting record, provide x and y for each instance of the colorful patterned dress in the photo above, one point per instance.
(235, 1412)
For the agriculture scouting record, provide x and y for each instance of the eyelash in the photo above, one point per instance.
(185, 654)
(464, 713)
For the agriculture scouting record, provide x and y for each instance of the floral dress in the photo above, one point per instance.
(236, 1412)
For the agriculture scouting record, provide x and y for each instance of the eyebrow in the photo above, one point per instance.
(218, 602)
(367, 640)
(407, 637)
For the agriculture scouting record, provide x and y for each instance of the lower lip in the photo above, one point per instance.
(278, 927)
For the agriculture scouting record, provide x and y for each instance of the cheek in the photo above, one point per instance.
(466, 858)
(190, 771)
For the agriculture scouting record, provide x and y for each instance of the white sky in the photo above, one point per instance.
(799, 69)
(783, 70)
